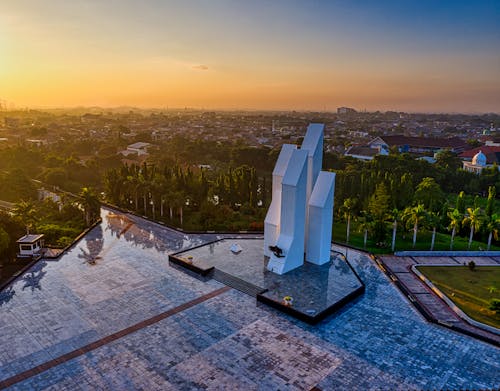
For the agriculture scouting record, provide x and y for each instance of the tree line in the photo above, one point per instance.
(210, 199)
(428, 209)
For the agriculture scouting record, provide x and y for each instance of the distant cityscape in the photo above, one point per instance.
(347, 131)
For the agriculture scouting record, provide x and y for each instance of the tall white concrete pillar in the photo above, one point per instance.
(313, 144)
(320, 219)
(273, 216)
(292, 216)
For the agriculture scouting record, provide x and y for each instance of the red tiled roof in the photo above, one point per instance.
(453, 142)
(489, 150)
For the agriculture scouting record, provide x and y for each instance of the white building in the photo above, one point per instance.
(30, 245)
(140, 149)
(478, 163)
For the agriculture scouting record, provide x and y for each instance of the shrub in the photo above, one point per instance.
(64, 241)
(495, 305)
(472, 266)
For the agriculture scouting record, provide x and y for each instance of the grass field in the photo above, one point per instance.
(404, 240)
(471, 291)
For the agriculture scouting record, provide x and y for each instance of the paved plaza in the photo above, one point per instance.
(173, 331)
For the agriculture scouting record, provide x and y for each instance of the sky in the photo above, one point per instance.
(407, 55)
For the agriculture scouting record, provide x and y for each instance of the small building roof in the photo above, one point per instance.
(139, 145)
(30, 238)
(362, 151)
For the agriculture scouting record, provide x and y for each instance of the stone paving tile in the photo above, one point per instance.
(438, 308)
(59, 305)
(399, 264)
(256, 352)
(353, 375)
(414, 284)
(378, 342)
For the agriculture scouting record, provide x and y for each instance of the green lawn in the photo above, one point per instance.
(471, 291)
(404, 240)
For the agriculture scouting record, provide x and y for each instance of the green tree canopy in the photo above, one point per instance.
(429, 194)
(4, 241)
(448, 160)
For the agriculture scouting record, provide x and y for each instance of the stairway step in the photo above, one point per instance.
(237, 283)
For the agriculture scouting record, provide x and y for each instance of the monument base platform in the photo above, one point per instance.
(316, 291)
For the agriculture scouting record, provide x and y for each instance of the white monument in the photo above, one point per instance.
(299, 219)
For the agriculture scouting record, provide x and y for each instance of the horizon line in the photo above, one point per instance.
(232, 109)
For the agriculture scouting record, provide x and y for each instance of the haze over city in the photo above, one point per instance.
(422, 56)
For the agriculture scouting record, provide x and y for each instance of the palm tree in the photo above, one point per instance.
(90, 203)
(347, 209)
(161, 187)
(133, 184)
(433, 220)
(4, 240)
(455, 223)
(157, 186)
(414, 215)
(493, 227)
(178, 201)
(396, 215)
(145, 187)
(474, 219)
(364, 225)
(170, 199)
(26, 211)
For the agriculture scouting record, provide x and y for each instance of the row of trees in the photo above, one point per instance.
(165, 192)
(425, 212)
(402, 173)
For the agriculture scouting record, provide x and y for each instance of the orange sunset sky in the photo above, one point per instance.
(298, 55)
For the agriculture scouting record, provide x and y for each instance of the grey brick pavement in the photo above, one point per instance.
(377, 342)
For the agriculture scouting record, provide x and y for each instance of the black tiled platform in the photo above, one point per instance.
(317, 291)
